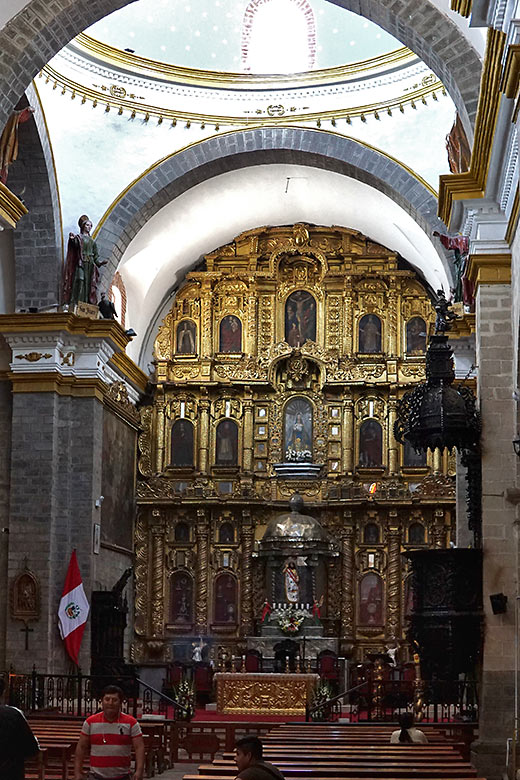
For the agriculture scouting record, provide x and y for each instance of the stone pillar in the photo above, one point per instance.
(201, 574)
(496, 382)
(63, 370)
(348, 435)
(393, 578)
(203, 435)
(246, 622)
(347, 580)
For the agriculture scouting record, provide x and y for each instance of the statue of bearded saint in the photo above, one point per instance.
(292, 582)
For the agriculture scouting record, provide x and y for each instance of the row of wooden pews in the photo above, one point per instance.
(335, 752)
(58, 738)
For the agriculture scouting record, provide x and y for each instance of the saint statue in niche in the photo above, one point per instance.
(182, 444)
(181, 598)
(371, 600)
(370, 444)
(298, 430)
(416, 336)
(300, 318)
(370, 334)
(226, 443)
(230, 334)
(186, 338)
(225, 599)
(292, 582)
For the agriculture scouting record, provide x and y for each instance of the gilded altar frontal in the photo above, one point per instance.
(274, 502)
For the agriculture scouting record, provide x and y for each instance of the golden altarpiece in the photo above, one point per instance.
(278, 371)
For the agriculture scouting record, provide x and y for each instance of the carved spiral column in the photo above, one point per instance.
(393, 579)
(203, 435)
(159, 454)
(247, 583)
(348, 435)
(201, 603)
(248, 435)
(439, 529)
(393, 460)
(347, 581)
(157, 573)
(141, 576)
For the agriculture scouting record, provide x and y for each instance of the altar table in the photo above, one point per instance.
(262, 693)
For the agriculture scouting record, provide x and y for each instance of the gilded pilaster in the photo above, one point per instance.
(159, 452)
(348, 319)
(348, 435)
(439, 529)
(203, 435)
(393, 459)
(201, 603)
(393, 578)
(246, 623)
(347, 577)
(392, 320)
(248, 434)
(142, 616)
(206, 336)
(252, 322)
(157, 573)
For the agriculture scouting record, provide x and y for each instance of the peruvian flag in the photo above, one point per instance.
(73, 609)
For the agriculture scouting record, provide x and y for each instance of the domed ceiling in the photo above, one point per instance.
(255, 36)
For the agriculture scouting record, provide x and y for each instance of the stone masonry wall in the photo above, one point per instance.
(495, 385)
(55, 479)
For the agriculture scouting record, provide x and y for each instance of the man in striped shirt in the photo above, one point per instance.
(110, 736)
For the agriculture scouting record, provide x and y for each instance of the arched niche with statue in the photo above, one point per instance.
(295, 551)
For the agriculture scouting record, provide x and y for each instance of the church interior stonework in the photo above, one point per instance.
(259, 361)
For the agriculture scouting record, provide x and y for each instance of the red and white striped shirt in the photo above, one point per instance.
(111, 744)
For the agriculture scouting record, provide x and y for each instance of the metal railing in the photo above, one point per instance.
(79, 695)
(441, 701)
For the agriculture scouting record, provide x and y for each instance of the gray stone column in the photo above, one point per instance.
(500, 545)
(63, 385)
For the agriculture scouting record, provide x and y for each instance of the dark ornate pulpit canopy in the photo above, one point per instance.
(435, 414)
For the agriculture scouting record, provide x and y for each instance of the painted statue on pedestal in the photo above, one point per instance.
(82, 266)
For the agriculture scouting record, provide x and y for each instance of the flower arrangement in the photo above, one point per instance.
(185, 696)
(319, 709)
(298, 456)
(290, 621)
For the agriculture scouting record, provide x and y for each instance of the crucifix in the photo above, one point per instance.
(27, 631)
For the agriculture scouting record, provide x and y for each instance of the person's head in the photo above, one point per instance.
(248, 751)
(85, 225)
(111, 701)
(406, 720)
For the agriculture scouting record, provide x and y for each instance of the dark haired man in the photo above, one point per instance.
(110, 735)
(17, 742)
(249, 760)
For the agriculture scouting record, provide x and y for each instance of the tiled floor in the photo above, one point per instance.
(179, 770)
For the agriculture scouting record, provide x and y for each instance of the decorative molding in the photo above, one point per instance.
(11, 208)
(489, 269)
(198, 77)
(472, 184)
(511, 74)
(513, 217)
(462, 7)
(64, 321)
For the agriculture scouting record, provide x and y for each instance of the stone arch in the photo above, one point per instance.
(178, 173)
(40, 30)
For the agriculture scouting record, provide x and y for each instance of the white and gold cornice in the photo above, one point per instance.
(113, 101)
(116, 58)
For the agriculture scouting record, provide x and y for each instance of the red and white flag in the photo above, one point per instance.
(73, 609)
